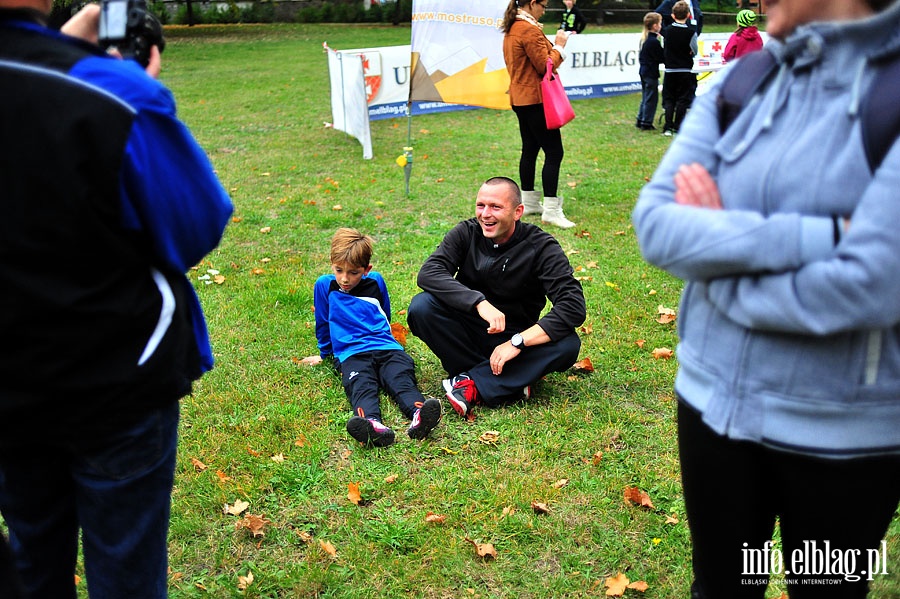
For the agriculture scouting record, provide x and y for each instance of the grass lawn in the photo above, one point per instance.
(264, 429)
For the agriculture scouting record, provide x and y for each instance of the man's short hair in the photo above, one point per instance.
(349, 246)
(514, 192)
(681, 10)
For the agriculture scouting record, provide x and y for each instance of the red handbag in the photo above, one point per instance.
(557, 108)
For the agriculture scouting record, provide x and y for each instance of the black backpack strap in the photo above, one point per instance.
(880, 113)
(746, 76)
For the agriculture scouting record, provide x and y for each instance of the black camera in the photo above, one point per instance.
(129, 27)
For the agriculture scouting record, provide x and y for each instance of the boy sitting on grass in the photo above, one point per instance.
(353, 330)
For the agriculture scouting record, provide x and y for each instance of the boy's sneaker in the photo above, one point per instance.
(461, 393)
(369, 431)
(425, 418)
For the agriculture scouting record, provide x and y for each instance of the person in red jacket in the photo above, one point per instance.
(745, 39)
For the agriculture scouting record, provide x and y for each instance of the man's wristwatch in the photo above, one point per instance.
(517, 341)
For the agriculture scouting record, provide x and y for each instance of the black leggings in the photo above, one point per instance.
(536, 137)
(734, 490)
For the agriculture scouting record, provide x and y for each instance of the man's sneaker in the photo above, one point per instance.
(668, 133)
(526, 392)
(461, 393)
(425, 418)
(369, 431)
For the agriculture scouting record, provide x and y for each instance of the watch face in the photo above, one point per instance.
(517, 341)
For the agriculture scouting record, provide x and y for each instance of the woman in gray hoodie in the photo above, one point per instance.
(789, 353)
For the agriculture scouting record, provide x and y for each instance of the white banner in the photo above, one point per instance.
(596, 66)
(349, 97)
(457, 53)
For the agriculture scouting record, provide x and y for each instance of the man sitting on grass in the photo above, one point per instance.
(483, 292)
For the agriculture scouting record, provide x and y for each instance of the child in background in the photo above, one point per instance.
(353, 330)
(650, 57)
(745, 39)
(572, 19)
(680, 83)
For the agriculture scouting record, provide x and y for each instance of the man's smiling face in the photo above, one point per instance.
(495, 212)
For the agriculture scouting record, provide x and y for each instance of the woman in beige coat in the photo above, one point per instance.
(525, 50)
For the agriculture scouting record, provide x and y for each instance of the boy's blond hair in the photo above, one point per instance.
(349, 246)
(681, 10)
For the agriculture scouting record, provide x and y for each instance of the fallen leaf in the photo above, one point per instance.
(666, 315)
(584, 365)
(636, 496)
(238, 507)
(616, 585)
(222, 476)
(255, 524)
(639, 586)
(485, 550)
(301, 441)
(433, 518)
(673, 519)
(219, 279)
(399, 332)
(305, 536)
(278, 458)
(662, 352)
(572, 184)
(337, 207)
(391, 478)
(328, 548)
(540, 508)
(245, 581)
(198, 465)
(489, 437)
(640, 342)
(266, 230)
(561, 483)
(353, 493)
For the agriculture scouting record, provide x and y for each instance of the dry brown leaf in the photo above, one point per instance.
(433, 518)
(584, 365)
(266, 230)
(616, 585)
(222, 476)
(305, 536)
(219, 279)
(639, 586)
(598, 456)
(489, 437)
(485, 550)
(198, 465)
(309, 360)
(673, 519)
(662, 353)
(561, 483)
(540, 508)
(337, 207)
(353, 493)
(236, 509)
(301, 441)
(666, 315)
(254, 523)
(638, 497)
(399, 332)
(640, 343)
(390, 479)
(328, 548)
(245, 581)
(278, 458)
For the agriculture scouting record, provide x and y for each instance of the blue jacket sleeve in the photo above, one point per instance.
(320, 304)
(698, 244)
(857, 288)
